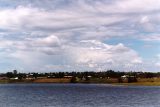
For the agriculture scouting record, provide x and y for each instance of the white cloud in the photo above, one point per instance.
(90, 20)
(87, 54)
(96, 54)
(157, 63)
(73, 35)
(50, 41)
(38, 19)
(48, 45)
(151, 37)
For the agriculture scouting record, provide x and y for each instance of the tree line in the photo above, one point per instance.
(101, 74)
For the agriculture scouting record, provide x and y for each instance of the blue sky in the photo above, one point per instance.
(67, 35)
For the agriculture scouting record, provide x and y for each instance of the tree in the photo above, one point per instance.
(9, 74)
(15, 72)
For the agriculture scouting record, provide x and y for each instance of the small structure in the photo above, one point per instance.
(128, 79)
(89, 76)
(3, 78)
(15, 78)
(68, 76)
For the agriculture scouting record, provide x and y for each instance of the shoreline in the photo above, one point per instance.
(111, 81)
(115, 84)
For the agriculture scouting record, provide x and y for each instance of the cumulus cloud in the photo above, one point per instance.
(69, 34)
(49, 45)
(96, 54)
(87, 53)
(51, 41)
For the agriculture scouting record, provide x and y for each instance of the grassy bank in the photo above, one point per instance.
(139, 84)
(52, 80)
(143, 82)
(43, 80)
(140, 81)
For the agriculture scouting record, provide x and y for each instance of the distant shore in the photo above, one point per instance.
(143, 82)
(140, 82)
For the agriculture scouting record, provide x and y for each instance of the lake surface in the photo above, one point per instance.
(78, 95)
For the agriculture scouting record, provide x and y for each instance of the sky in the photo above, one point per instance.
(79, 35)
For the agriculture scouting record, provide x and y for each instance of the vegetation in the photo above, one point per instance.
(110, 76)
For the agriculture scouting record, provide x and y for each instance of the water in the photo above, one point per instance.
(78, 95)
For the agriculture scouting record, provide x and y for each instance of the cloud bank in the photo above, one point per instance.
(66, 35)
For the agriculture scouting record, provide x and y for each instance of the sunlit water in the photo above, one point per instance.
(78, 95)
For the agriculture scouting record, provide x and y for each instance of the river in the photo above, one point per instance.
(78, 95)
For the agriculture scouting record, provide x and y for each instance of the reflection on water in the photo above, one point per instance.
(78, 95)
